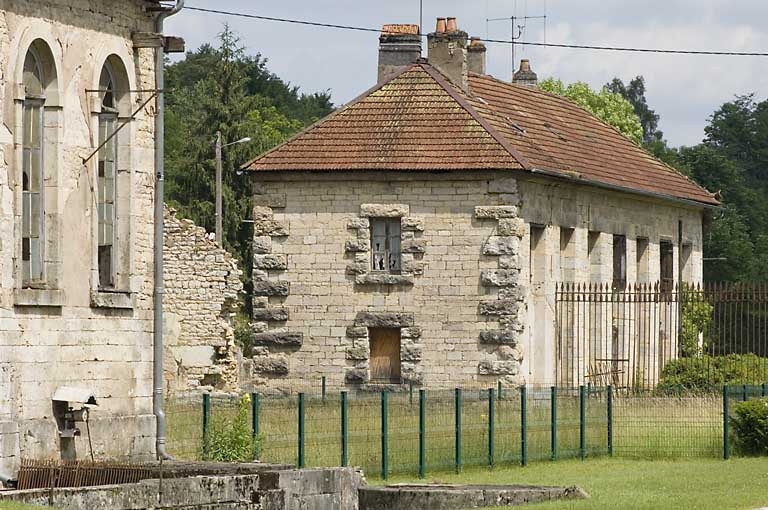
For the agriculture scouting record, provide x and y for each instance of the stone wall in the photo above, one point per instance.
(67, 332)
(202, 292)
(318, 489)
(467, 305)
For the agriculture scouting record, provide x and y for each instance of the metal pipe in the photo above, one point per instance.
(157, 335)
(6, 479)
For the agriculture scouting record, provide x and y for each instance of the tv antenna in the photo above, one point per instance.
(517, 26)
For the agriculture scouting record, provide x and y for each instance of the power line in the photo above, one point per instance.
(492, 41)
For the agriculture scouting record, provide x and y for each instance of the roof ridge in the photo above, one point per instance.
(331, 115)
(565, 100)
(457, 96)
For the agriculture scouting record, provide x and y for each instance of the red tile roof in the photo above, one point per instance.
(418, 120)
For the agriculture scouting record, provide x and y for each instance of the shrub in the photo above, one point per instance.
(230, 439)
(750, 427)
(244, 334)
(710, 373)
(697, 317)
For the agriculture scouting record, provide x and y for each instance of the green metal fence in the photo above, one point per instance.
(414, 433)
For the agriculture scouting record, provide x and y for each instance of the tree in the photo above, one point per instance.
(223, 89)
(635, 94)
(606, 106)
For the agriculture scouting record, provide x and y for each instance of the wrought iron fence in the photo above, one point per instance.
(648, 336)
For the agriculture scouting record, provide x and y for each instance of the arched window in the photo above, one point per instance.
(33, 214)
(107, 179)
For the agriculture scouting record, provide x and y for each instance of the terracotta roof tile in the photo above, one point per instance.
(418, 120)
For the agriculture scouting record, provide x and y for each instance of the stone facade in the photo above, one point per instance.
(475, 303)
(67, 329)
(202, 293)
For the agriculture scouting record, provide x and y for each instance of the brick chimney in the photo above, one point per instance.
(476, 56)
(399, 46)
(525, 75)
(447, 51)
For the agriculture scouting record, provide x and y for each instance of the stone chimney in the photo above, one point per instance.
(476, 56)
(447, 51)
(525, 75)
(399, 46)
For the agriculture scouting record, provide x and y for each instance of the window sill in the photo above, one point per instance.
(383, 279)
(38, 297)
(112, 299)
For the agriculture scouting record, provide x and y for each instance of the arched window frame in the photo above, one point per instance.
(106, 185)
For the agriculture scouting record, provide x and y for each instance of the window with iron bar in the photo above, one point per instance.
(385, 245)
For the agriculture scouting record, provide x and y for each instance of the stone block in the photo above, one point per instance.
(262, 244)
(359, 224)
(502, 185)
(384, 320)
(498, 367)
(411, 224)
(414, 246)
(269, 228)
(500, 277)
(383, 279)
(410, 333)
(357, 332)
(410, 352)
(271, 314)
(384, 210)
(270, 365)
(511, 227)
(507, 353)
(495, 212)
(194, 355)
(278, 339)
(499, 245)
(498, 336)
(269, 288)
(499, 307)
(356, 376)
(270, 262)
(273, 201)
(357, 246)
(358, 268)
(358, 352)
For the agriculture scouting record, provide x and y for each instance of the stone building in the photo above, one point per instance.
(76, 227)
(416, 234)
(202, 292)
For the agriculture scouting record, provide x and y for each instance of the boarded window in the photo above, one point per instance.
(642, 259)
(385, 244)
(385, 355)
(667, 266)
(619, 262)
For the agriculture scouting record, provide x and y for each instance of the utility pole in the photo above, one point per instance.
(219, 235)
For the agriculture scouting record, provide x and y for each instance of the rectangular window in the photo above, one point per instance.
(567, 255)
(594, 257)
(385, 355)
(32, 216)
(537, 260)
(687, 266)
(107, 199)
(385, 244)
(641, 258)
(619, 262)
(667, 266)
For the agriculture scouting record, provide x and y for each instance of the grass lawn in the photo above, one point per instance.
(19, 506)
(637, 484)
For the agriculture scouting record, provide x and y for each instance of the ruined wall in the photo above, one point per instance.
(456, 301)
(202, 290)
(67, 332)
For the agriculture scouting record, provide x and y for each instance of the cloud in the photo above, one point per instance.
(684, 90)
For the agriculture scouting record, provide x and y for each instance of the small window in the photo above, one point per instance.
(537, 260)
(667, 266)
(619, 262)
(687, 266)
(385, 244)
(385, 355)
(567, 255)
(594, 256)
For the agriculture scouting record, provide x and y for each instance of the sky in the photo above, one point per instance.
(683, 90)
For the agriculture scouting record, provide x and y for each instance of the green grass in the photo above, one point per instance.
(637, 484)
(19, 506)
(645, 427)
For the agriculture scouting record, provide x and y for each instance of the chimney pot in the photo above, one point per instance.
(440, 28)
(452, 26)
(447, 51)
(399, 46)
(476, 56)
(525, 75)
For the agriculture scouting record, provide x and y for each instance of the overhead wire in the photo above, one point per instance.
(487, 40)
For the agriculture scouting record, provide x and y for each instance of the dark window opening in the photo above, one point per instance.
(537, 259)
(385, 244)
(641, 257)
(667, 266)
(385, 355)
(619, 262)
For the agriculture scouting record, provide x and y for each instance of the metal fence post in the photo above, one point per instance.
(523, 426)
(582, 423)
(762, 389)
(422, 433)
(255, 409)
(384, 435)
(726, 443)
(457, 422)
(610, 420)
(498, 391)
(206, 421)
(491, 422)
(300, 463)
(744, 392)
(553, 420)
(344, 430)
(410, 392)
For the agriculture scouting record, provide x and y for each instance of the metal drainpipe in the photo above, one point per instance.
(157, 368)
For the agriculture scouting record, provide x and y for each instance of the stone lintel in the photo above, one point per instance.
(510, 367)
(384, 320)
(495, 212)
(384, 210)
(38, 297)
(118, 300)
(383, 279)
